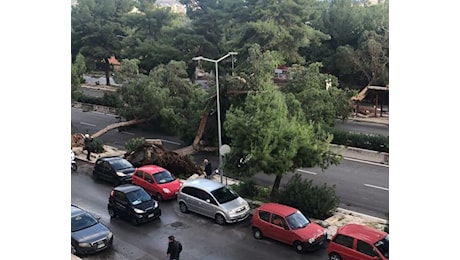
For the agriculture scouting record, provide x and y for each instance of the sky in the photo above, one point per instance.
(35, 107)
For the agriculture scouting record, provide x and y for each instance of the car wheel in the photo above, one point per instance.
(134, 220)
(183, 208)
(257, 233)
(112, 212)
(158, 197)
(220, 219)
(299, 247)
(334, 256)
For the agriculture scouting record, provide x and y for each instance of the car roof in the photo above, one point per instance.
(76, 210)
(279, 209)
(111, 158)
(361, 232)
(125, 188)
(204, 184)
(151, 168)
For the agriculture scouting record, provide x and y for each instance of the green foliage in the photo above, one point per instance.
(98, 145)
(134, 143)
(277, 141)
(109, 100)
(378, 143)
(165, 96)
(314, 201)
(247, 189)
(78, 69)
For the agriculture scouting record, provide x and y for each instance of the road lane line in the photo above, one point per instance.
(377, 187)
(171, 142)
(304, 171)
(368, 162)
(88, 124)
(128, 133)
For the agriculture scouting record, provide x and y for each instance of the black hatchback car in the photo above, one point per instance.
(88, 234)
(114, 169)
(132, 202)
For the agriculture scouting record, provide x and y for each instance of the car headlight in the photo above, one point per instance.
(139, 211)
(121, 174)
(311, 240)
(166, 190)
(84, 245)
(110, 235)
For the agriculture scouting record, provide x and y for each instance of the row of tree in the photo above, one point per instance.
(274, 129)
(350, 39)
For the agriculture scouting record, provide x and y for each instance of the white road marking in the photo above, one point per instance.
(363, 161)
(88, 124)
(171, 142)
(128, 133)
(377, 187)
(304, 171)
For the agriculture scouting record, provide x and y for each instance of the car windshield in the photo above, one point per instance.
(224, 195)
(121, 164)
(163, 177)
(138, 196)
(83, 221)
(383, 246)
(297, 220)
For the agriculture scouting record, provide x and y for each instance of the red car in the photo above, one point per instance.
(358, 242)
(288, 225)
(157, 181)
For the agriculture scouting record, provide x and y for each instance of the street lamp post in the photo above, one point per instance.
(219, 131)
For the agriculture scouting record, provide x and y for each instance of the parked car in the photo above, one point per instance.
(157, 181)
(114, 169)
(212, 199)
(132, 202)
(88, 234)
(354, 241)
(288, 225)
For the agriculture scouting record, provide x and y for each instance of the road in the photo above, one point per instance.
(201, 237)
(368, 182)
(362, 127)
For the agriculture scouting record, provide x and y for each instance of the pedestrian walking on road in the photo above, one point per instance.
(88, 146)
(174, 248)
(207, 168)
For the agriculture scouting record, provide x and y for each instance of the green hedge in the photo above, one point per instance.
(109, 100)
(378, 143)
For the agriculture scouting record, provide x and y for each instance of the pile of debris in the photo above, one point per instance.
(153, 152)
(77, 140)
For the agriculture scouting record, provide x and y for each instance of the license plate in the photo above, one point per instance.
(101, 245)
(150, 215)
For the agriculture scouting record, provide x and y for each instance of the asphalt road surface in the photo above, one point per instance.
(200, 236)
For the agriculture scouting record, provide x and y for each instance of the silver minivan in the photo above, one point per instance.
(212, 199)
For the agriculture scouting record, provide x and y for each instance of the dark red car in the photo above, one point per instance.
(288, 225)
(157, 181)
(358, 242)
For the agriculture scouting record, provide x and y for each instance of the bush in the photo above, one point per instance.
(378, 143)
(109, 100)
(134, 143)
(98, 146)
(313, 201)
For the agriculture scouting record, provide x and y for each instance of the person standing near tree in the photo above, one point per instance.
(174, 248)
(207, 168)
(88, 146)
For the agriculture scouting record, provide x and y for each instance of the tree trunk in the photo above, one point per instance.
(276, 186)
(116, 125)
(107, 72)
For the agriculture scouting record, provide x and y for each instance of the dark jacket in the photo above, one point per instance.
(208, 169)
(89, 144)
(173, 249)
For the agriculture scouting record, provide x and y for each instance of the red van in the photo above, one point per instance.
(358, 242)
(157, 181)
(288, 225)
